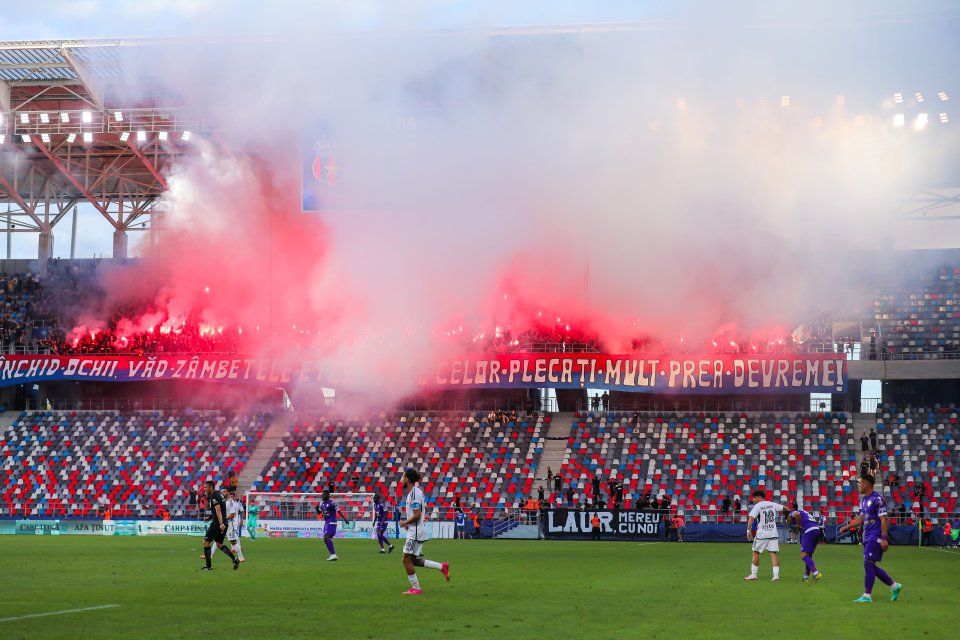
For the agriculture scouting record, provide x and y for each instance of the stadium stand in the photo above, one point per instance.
(696, 459)
(489, 460)
(84, 463)
(136, 463)
(919, 321)
(917, 449)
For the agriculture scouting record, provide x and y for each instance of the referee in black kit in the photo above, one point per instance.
(217, 530)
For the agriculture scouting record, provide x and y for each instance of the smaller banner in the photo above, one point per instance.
(615, 524)
(311, 529)
(170, 528)
(38, 527)
(314, 529)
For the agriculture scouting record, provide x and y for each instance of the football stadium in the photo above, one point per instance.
(479, 319)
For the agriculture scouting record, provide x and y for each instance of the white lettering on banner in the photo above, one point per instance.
(685, 374)
(625, 524)
(208, 368)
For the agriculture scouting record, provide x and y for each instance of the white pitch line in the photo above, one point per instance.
(640, 544)
(952, 553)
(58, 613)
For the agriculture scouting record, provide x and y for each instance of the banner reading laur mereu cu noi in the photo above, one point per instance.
(615, 524)
(706, 374)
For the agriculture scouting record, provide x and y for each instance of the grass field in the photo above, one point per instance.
(498, 589)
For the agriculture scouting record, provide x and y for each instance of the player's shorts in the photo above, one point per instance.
(330, 530)
(809, 540)
(872, 550)
(381, 527)
(413, 547)
(766, 544)
(460, 527)
(214, 534)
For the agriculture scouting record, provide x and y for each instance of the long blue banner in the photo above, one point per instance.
(686, 374)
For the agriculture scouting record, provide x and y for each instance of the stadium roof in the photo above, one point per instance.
(70, 131)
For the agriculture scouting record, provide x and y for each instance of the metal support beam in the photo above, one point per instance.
(76, 183)
(4, 96)
(147, 163)
(14, 195)
(94, 88)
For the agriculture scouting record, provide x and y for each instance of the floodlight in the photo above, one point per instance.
(45, 118)
(71, 138)
(87, 117)
(87, 136)
(898, 120)
(124, 135)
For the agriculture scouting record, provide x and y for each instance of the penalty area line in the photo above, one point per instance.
(643, 544)
(58, 613)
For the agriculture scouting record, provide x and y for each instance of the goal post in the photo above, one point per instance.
(294, 515)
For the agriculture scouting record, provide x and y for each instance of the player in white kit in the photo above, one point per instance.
(417, 533)
(765, 536)
(234, 523)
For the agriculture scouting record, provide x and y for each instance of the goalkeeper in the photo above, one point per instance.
(252, 514)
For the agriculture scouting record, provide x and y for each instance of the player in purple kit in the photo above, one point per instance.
(380, 523)
(328, 510)
(873, 517)
(809, 538)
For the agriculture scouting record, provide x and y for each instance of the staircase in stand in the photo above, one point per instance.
(268, 444)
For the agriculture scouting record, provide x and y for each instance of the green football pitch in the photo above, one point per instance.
(81, 587)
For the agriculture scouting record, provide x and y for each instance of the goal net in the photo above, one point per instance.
(294, 515)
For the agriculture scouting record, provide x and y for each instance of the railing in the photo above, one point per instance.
(833, 517)
(136, 404)
(513, 518)
(37, 350)
(95, 510)
(555, 347)
(801, 403)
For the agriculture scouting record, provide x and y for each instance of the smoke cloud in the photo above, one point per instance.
(697, 171)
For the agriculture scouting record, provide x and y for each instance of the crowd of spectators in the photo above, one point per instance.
(52, 315)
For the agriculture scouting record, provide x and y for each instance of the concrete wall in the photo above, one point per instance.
(904, 369)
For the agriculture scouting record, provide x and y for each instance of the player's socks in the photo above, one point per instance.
(414, 581)
(884, 576)
(206, 556)
(869, 576)
(238, 550)
(811, 566)
(228, 552)
(329, 543)
(754, 568)
(430, 564)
